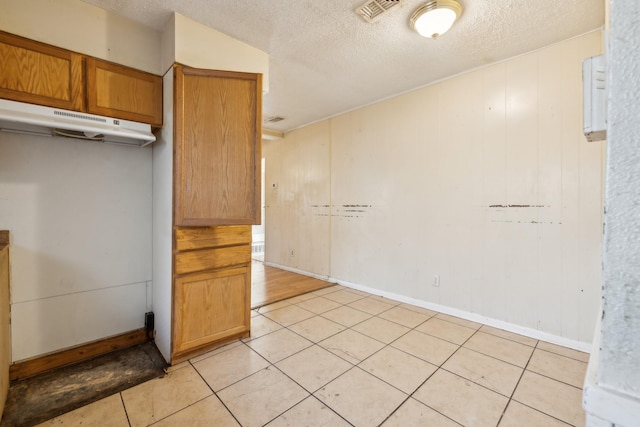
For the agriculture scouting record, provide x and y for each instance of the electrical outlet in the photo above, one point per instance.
(436, 280)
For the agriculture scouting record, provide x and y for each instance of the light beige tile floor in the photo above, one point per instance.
(339, 357)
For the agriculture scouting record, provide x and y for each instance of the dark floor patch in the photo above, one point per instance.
(45, 396)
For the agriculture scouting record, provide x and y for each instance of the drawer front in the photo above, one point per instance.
(211, 259)
(190, 238)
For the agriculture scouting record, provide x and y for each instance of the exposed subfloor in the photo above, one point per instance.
(34, 400)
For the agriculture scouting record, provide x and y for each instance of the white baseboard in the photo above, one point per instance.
(301, 272)
(474, 317)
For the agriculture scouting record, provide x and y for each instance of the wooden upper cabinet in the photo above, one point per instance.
(40, 74)
(122, 92)
(217, 143)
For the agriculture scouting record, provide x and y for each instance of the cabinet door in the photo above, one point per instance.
(124, 93)
(217, 142)
(40, 74)
(210, 306)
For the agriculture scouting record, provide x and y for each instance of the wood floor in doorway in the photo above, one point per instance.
(270, 284)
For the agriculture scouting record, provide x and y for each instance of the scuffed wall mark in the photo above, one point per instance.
(528, 222)
(351, 210)
(518, 206)
(323, 209)
(540, 222)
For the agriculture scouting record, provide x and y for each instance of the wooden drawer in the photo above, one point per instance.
(210, 259)
(189, 238)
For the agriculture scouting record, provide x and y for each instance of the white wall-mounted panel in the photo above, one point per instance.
(48, 324)
(79, 214)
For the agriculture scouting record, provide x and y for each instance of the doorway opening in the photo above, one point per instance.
(271, 284)
(258, 231)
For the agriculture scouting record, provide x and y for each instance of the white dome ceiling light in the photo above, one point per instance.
(435, 17)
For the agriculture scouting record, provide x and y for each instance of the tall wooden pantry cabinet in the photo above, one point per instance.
(206, 197)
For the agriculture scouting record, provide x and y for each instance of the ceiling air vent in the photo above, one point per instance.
(373, 10)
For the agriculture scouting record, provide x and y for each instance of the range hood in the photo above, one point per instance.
(20, 117)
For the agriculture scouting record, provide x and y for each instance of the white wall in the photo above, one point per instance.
(190, 43)
(298, 198)
(79, 214)
(84, 28)
(431, 183)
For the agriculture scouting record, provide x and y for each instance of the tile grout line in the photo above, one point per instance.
(479, 329)
(441, 367)
(474, 351)
(517, 384)
(433, 373)
(545, 376)
(189, 405)
(126, 414)
(554, 379)
(352, 364)
(311, 394)
(241, 379)
(562, 355)
(385, 345)
(537, 410)
(494, 358)
(273, 365)
(214, 392)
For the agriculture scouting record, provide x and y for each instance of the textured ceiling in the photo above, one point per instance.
(324, 59)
